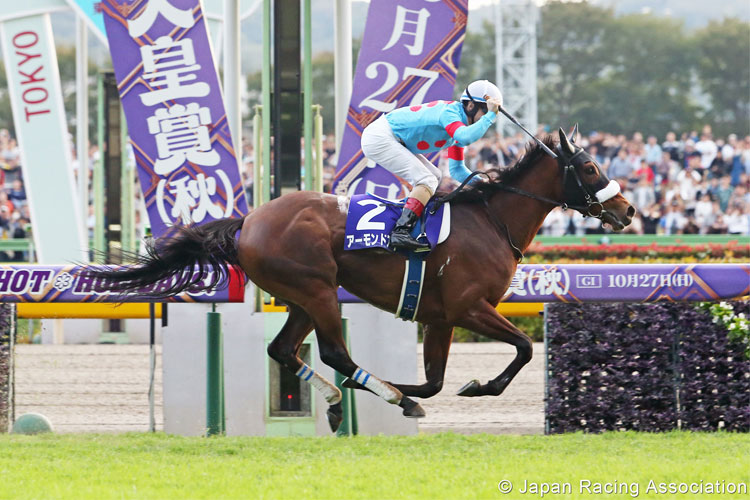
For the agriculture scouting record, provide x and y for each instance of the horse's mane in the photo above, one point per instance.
(478, 191)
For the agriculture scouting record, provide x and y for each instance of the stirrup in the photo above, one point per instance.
(410, 243)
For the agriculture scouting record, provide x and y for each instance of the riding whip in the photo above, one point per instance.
(516, 122)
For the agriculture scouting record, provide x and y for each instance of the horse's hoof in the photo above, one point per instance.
(412, 409)
(469, 390)
(335, 416)
(351, 384)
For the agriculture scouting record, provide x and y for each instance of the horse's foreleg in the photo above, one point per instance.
(327, 318)
(436, 345)
(486, 321)
(284, 349)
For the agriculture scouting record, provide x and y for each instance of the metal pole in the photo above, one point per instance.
(82, 121)
(127, 190)
(307, 93)
(98, 179)
(232, 72)
(214, 377)
(347, 399)
(499, 56)
(266, 97)
(342, 20)
(318, 174)
(258, 157)
(152, 366)
(258, 181)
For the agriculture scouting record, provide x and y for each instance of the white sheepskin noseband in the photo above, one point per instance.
(608, 192)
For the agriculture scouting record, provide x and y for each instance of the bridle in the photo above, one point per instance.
(594, 199)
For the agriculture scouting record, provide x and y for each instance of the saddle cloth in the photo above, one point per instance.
(371, 219)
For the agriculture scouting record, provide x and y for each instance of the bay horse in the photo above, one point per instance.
(293, 247)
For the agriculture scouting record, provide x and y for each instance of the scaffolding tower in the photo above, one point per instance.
(515, 53)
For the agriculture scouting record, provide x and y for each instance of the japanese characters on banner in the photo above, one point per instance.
(409, 55)
(40, 283)
(623, 283)
(173, 104)
(628, 282)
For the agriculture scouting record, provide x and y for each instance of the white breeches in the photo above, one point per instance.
(380, 145)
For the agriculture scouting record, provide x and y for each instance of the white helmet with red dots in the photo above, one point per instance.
(476, 91)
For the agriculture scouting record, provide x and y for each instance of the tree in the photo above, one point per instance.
(477, 57)
(571, 58)
(6, 115)
(323, 89)
(724, 74)
(646, 85)
(619, 74)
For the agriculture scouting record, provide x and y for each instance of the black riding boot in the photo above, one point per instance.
(401, 236)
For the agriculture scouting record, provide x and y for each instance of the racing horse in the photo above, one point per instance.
(293, 247)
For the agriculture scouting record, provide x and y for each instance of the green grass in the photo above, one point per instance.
(423, 467)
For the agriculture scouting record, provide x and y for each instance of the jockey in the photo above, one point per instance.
(397, 140)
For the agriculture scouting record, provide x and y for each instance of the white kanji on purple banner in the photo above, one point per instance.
(170, 65)
(192, 198)
(181, 133)
(408, 26)
(179, 17)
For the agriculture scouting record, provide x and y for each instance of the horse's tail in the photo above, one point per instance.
(190, 254)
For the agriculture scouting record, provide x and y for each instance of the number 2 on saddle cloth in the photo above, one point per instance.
(369, 223)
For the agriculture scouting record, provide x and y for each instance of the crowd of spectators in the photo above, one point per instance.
(14, 209)
(691, 184)
(688, 184)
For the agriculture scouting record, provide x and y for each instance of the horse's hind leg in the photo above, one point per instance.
(325, 314)
(436, 345)
(486, 321)
(285, 350)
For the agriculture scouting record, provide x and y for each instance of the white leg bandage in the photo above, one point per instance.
(327, 389)
(377, 386)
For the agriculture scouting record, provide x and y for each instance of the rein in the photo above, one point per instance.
(568, 167)
(501, 227)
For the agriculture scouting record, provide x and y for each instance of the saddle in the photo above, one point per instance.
(371, 219)
(369, 223)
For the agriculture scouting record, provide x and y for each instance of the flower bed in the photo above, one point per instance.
(647, 367)
(631, 253)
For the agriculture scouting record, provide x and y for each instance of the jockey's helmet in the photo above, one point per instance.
(476, 91)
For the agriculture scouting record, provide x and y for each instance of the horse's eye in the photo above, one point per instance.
(590, 170)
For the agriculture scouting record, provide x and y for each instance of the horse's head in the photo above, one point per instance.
(587, 189)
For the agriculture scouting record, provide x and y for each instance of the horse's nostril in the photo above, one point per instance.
(631, 211)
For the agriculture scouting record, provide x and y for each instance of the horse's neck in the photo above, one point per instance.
(523, 215)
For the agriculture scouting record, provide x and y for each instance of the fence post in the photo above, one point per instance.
(258, 192)
(318, 134)
(348, 425)
(7, 344)
(152, 365)
(546, 371)
(214, 376)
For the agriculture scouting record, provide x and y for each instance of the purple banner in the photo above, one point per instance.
(173, 104)
(40, 283)
(629, 282)
(623, 283)
(409, 55)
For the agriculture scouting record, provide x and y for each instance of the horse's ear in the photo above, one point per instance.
(574, 134)
(565, 143)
